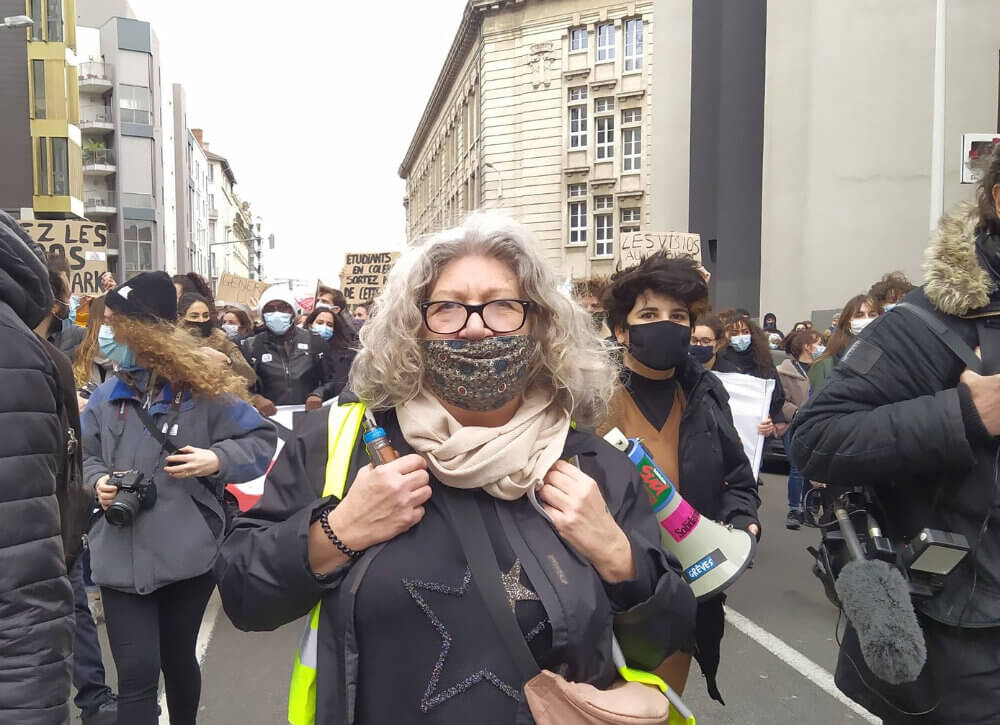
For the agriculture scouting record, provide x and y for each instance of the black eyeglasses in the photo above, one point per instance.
(500, 316)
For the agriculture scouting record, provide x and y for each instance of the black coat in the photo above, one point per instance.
(337, 360)
(288, 367)
(36, 600)
(893, 417)
(265, 580)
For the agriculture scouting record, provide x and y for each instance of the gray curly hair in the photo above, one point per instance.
(573, 360)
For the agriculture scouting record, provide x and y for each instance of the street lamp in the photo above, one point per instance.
(18, 21)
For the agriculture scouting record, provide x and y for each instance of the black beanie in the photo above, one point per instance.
(149, 296)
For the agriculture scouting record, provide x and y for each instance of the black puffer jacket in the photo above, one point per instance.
(289, 367)
(893, 417)
(36, 600)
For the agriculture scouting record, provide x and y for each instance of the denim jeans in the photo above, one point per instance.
(88, 666)
(795, 480)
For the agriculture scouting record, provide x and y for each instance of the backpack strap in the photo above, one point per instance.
(940, 327)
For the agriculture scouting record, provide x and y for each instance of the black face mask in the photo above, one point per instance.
(659, 345)
(202, 329)
(702, 353)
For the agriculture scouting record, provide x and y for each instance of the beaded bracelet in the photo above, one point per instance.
(324, 521)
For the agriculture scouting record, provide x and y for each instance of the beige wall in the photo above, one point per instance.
(848, 136)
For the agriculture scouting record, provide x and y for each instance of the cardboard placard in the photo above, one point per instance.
(232, 288)
(83, 244)
(636, 246)
(364, 273)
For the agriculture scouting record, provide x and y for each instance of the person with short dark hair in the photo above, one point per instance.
(903, 416)
(708, 339)
(236, 323)
(361, 315)
(681, 412)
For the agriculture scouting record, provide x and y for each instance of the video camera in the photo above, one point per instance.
(852, 530)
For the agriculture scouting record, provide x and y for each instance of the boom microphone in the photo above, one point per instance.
(876, 600)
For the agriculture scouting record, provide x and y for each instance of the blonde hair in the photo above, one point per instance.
(87, 351)
(573, 360)
(174, 355)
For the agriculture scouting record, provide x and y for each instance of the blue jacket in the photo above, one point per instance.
(179, 536)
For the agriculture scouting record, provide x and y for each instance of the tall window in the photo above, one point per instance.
(43, 166)
(38, 88)
(631, 139)
(139, 247)
(605, 137)
(604, 235)
(606, 42)
(578, 117)
(633, 44)
(577, 190)
(578, 222)
(60, 167)
(578, 39)
(54, 14)
(36, 16)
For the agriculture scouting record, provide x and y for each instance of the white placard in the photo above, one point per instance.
(750, 402)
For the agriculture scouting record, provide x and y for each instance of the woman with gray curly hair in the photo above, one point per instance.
(476, 368)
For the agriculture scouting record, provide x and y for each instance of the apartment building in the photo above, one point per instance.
(121, 125)
(190, 191)
(811, 143)
(543, 109)
(40, 117)
(229, 221)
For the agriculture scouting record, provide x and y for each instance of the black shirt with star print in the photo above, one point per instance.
(428, 650)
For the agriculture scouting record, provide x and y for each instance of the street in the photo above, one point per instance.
(245, 676)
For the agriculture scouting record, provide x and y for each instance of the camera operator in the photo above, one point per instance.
(160, 441)
(903, 416)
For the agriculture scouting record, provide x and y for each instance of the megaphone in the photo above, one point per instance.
(713, 556)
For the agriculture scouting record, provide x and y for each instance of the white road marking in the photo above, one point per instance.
(201, 646)
(797, 661)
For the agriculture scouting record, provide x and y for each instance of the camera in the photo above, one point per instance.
(134, 495)
(925, 560)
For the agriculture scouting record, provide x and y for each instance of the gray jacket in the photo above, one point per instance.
(179, 536)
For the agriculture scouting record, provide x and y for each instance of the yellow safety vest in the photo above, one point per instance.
(345, 423)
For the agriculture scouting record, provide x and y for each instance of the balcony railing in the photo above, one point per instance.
(99, 157)
(95, 70)
(96, 116)
(95, 199)
(139, 201)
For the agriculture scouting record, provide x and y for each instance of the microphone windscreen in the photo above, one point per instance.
(876, 599)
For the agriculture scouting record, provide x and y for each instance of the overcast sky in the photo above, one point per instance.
(314, 111)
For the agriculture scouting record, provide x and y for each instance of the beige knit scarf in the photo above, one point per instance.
(506, 461)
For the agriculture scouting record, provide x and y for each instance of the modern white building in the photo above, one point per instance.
(229, 223)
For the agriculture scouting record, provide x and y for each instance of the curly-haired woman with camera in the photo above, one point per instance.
(161, 439)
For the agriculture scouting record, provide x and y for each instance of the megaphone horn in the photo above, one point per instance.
(713, 556)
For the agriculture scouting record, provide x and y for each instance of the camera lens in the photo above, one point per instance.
(123, 509)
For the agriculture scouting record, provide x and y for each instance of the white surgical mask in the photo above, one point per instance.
(860, 323)
(740, 343)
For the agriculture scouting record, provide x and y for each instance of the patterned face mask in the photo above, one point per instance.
(478, 375)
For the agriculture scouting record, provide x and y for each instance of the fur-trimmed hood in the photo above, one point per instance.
(954, 281)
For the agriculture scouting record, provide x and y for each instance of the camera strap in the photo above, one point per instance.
(939, 326)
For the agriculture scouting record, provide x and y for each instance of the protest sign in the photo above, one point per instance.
(240, 290)
(750, 403)
(83, 244)
(364, 275)
(636, 246)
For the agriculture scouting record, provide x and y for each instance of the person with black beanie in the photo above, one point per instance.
(161, 439)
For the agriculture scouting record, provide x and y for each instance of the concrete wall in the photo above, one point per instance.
(847, 148)
(16, 181)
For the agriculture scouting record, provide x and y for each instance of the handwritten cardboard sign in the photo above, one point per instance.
(232, 288)
(636, 246)
(83, 244)
(364, 273)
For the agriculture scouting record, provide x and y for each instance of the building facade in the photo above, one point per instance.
(122, 127)
(191, 192)
(40, 117)
(545, 110)
(810, 150)
(229, 221)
